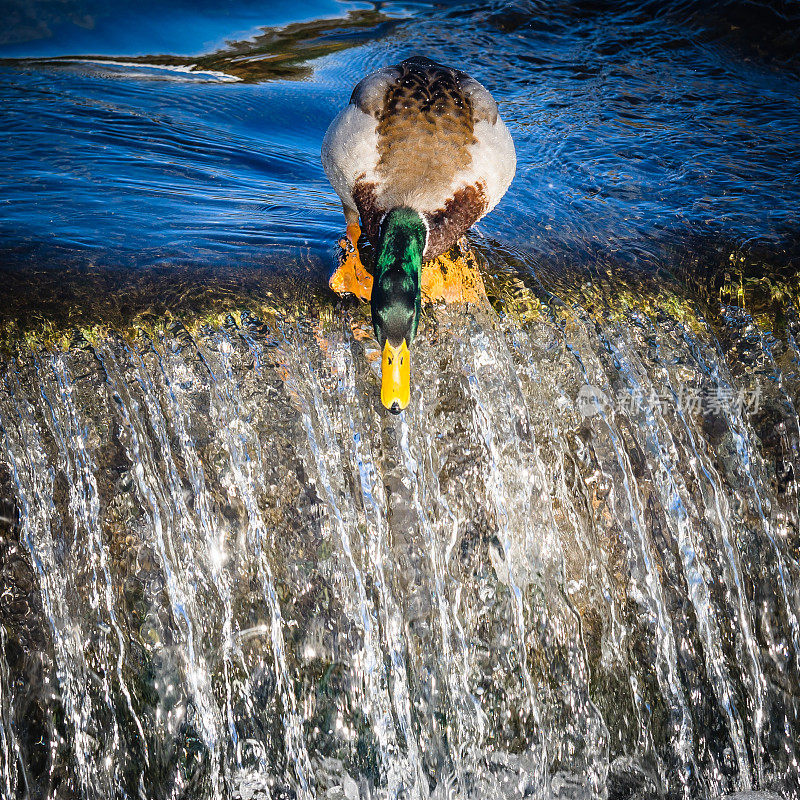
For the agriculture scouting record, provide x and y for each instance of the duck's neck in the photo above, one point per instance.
(403, 238)
(404, 235)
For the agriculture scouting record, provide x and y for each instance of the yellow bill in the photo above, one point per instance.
(396, 377)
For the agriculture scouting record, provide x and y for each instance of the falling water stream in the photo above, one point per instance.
(250, 581)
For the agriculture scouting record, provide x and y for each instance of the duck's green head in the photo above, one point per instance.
(396, 301)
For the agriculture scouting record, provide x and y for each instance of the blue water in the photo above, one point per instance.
(638, 126)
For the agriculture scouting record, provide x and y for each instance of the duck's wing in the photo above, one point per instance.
(494, 159)
(350, 147)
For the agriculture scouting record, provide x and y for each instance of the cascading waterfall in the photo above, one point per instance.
(570, 569)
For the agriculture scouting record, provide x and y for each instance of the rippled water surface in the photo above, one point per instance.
(194, 136)
(571, 569)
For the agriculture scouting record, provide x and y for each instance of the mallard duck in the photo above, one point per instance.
(420, 154)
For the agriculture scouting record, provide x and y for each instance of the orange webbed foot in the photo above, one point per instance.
(453, 279)
(351, 275)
